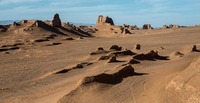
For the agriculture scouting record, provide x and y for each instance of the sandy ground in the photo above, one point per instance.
(32, 75)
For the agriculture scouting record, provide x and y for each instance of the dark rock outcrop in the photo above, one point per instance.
(7, 48)
(174, 26)
(115, 48)
(23, 22)
(137, 47)
(194, 49)
(133, 61)
(15, 24)
(125, 31)
(114, 78)
(100, 50)
(165, 27)
(123, 53)
(152, 55)
(147, 26)
(104, 20)
(39, 23)
(104, 58)
(56, 22)
(113, 59)
(135, 27)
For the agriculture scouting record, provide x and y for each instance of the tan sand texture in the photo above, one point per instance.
(43, 62)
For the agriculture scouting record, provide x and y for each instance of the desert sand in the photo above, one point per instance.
(62, 63)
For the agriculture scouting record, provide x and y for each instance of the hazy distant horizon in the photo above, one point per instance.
(7, 22)
(135, 12)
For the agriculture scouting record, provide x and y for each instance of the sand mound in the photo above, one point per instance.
(176, 55)
(133, 61)
(82, 65)
(89, 86)
(113, 59)
(100, 50)
(104, 58)
(111, 78)
(185, 86)
(115, 48)
(95, 87)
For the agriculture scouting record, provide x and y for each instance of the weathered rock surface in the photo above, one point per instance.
(165, 27)
(15, 24)
(137, 47)
(194, 49)
(23, 22)
(104, 20)
(56, 22)
(115, 48)
(147, 26)
(174, 26)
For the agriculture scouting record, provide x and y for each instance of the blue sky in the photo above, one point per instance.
(133, 12)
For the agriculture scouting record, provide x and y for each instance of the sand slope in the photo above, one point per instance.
(185, 86)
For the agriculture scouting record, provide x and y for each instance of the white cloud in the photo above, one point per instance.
(79, 9)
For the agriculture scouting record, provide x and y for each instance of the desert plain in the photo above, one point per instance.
(55, 62)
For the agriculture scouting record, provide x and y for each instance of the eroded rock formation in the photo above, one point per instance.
(104, 20)
(173, 26)
(125, 29)
(165, 27)
(147, 26)
(56, 22)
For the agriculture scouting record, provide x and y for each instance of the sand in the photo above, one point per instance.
(65, 73)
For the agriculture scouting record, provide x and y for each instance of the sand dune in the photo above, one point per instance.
(184, 87)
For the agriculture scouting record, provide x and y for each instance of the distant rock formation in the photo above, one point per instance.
(15, 24)
(147, 26)
(134, 27)
(125, 29)
(23, 22)
(165, 27)
(104, 20)
(38, 23)
(174, 26)
(56, 22)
